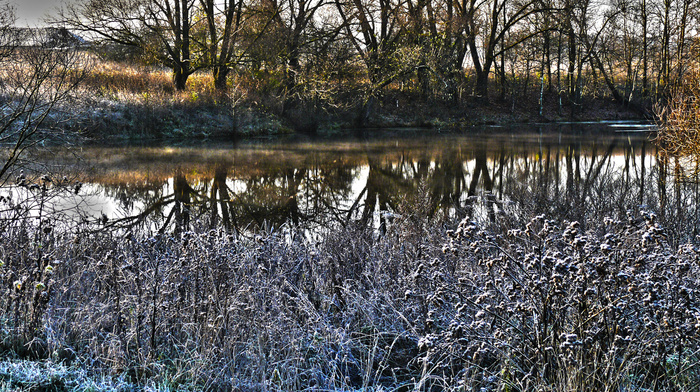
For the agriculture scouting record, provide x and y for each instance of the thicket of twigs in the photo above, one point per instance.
(679, 117)
(539, 305)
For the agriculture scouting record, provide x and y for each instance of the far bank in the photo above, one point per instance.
(117, 102)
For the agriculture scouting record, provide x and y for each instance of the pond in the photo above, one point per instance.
(578, 172)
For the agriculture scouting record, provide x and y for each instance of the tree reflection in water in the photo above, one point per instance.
(489, 179)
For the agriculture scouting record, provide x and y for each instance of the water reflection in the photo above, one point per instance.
(582, 174)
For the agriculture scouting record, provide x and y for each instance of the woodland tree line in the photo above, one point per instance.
(445, 49)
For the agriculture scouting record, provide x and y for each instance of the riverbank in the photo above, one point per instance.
(189, 119)
(118, 102)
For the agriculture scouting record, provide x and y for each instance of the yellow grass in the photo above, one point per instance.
(147, 84)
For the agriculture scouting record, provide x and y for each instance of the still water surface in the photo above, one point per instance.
(575, 172)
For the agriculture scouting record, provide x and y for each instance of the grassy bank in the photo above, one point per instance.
(123, 101)
(517, 305)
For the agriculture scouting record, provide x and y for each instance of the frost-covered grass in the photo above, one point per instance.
(18, 374)
(430, 305)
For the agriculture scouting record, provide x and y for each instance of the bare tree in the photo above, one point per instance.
(485, 25)
(224, 20)
(35, 81)
(161, 28)
(374, 28)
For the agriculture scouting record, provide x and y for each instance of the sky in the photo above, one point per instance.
(30, 12)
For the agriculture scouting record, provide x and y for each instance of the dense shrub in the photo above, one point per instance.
(539, 306)
(548, 305)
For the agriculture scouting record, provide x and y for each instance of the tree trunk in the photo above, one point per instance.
(180, 78)
(292, 70)
(364, 112)
(548, 59)
(645, 66)
(221, 77)
(482, 84)
(572, 63)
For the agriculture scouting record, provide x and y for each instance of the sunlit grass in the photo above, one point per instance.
(120, 77)
(147, 84)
